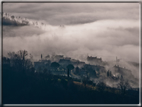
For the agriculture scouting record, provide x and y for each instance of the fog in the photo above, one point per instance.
(73, 13)
(76, 30)
(104, 38)
(105, 30)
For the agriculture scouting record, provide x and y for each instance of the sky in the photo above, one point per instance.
(73, 13)
(104, 30)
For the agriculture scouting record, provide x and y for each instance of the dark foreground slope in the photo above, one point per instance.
(38, 88)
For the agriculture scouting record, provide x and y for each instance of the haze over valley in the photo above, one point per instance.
(96, 42)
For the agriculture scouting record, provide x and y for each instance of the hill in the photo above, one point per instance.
(39, 88)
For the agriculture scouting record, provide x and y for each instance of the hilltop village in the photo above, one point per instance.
(58, 65)
(93, 68)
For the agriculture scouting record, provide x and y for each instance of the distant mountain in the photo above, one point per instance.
(11, 20)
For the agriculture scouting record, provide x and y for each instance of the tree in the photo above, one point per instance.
(28, 64)
(19, 61)
(101, 86)
(77, 69)
(31, 57)
(108, 73)
(86, 79)
(55, 65)
(41, 56)
(123, 86)
(69, 67)
(121, 77)
(22, 54)
(68, 72)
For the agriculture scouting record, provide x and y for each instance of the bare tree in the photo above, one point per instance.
(101, 86)
(22, 54)
(123, 86)
(19, 61)
(86, 79)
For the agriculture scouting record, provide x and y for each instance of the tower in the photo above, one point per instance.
(117, 61)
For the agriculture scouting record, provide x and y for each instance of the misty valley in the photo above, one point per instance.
(69, 59)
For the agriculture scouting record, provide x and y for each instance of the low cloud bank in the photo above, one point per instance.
(106, 39)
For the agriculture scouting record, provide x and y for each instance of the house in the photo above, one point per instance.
(42, 64)
(94, 59)
(58, 57)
